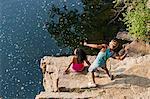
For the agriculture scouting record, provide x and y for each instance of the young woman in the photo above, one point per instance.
(77, 62)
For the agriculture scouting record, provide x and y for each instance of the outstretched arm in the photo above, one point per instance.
(95, 45)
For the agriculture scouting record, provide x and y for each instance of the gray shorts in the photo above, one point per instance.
(93, 67)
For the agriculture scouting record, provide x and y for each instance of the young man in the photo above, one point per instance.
(106, 51)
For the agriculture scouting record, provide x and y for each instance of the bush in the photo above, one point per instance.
(137, 19)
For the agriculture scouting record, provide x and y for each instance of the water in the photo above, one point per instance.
(23, 41)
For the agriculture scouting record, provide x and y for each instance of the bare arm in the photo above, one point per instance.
(69, 65)
(95, 45)
(87, 62)
(121, 57)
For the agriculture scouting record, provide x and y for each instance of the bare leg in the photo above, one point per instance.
(105, 68)
(93, 77)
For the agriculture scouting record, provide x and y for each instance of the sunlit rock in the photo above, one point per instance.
(131, 79)
(50, 72)
(124, 36)
(138, 48)
(131, 76)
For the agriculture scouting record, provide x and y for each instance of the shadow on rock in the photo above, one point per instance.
(77, 90)
(131, 80)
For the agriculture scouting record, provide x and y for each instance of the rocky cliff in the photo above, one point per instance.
(132, 77)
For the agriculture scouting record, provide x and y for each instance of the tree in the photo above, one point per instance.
(69, 27)
(65, 26)
(137, 19)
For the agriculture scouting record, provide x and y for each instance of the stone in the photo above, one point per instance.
(50, 74)
(124, 36)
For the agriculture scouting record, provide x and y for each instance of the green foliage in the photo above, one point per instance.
(136, 19)
(69, 27)
(118, 3)
(65, 26)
